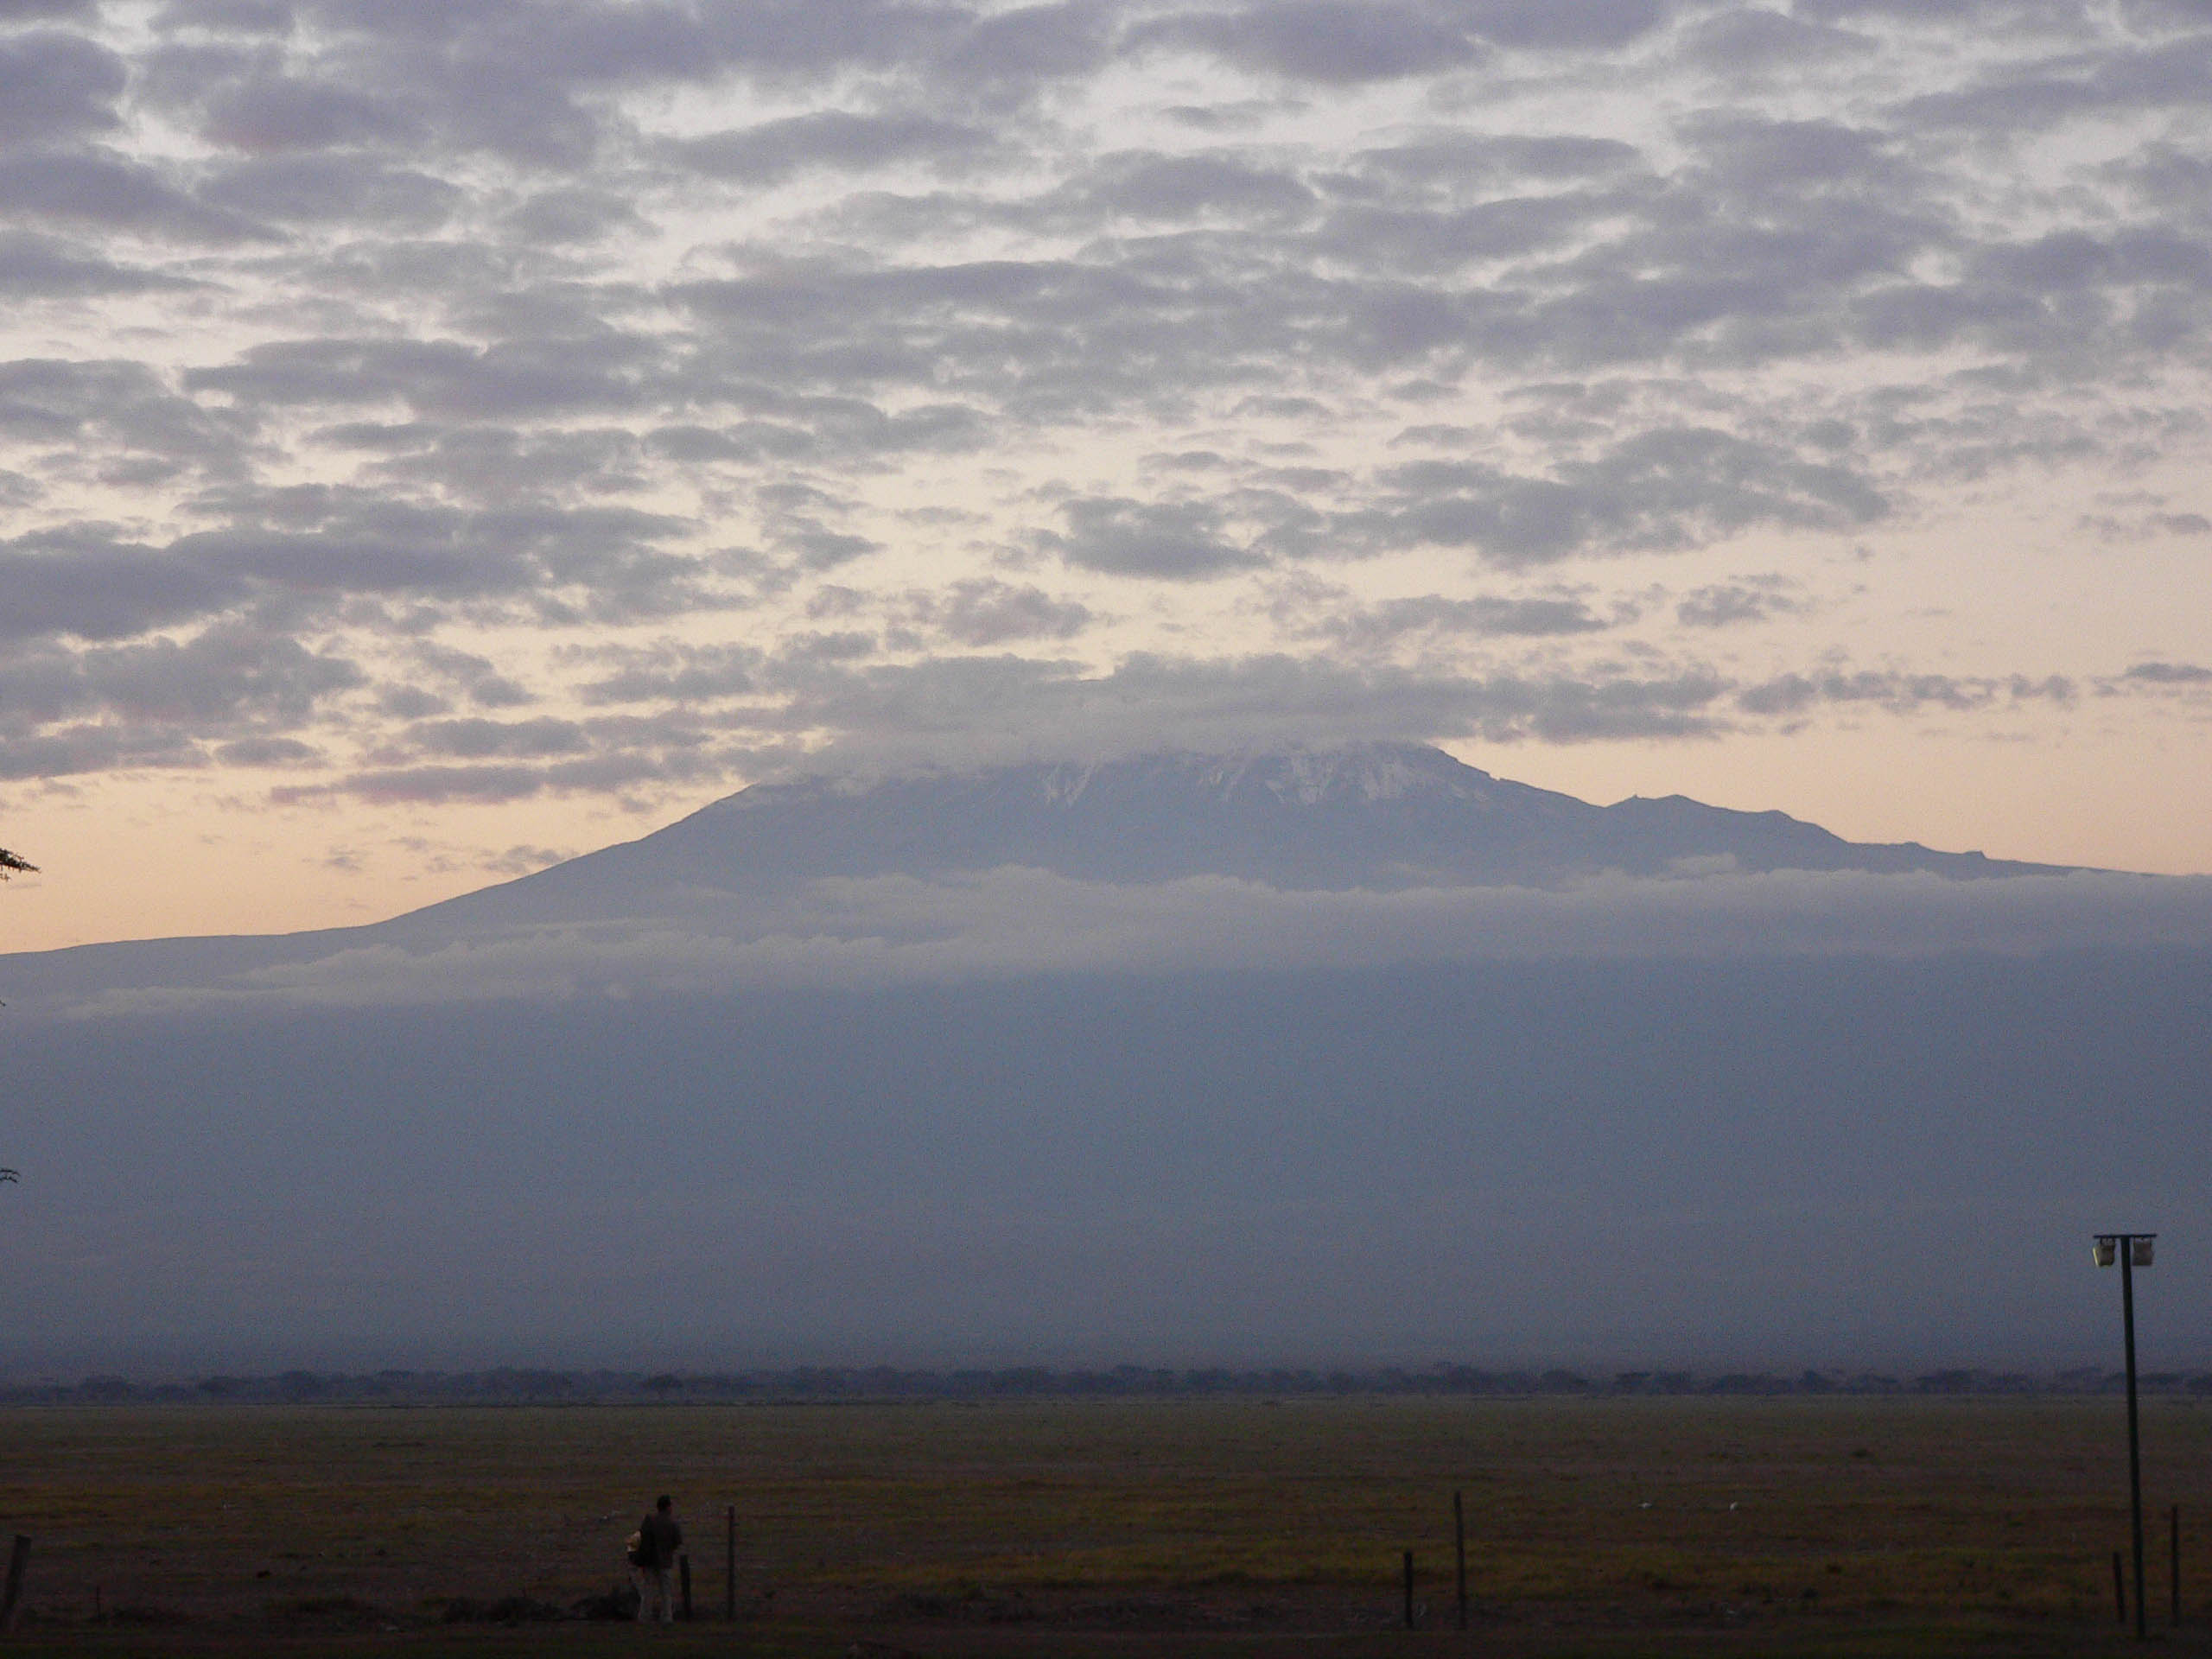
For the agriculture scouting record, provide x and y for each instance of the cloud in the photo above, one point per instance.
(1420, 238)
(99, 590)
(2147, 527)
(876, 931)
(531, 84)
(349, 190)
(785, 427)
(672, 671)
(96, 188)
(439, 377)
(1661, 489)
(1764, 160)
(57, 86)
(479, 740)
(376, 323)
(428, 785)
(241, 16)
(1570, 25)
(817, 547)
(557, 565)
(23, 11)
(1326, 41)
(1753, 40)
(278, 113)
(114, 407)
(1722, 605)
(840, 139)
(47, 267)
(154, 702)
(63, 751)
(2038, 94)
(1452, 160)
(495, 465)
(268, 751)
(1152, 185)
(983, 611)
(573, 217)
(2169, 674)
(1377, 626)
(79, 605)
(478, 677)
(1901, 693)
(963, 711)
(1119, 536)
(522, 860)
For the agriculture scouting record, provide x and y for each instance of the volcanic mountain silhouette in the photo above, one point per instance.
(1373, 815)
(1372, 818)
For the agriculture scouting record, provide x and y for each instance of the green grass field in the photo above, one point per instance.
(1601, 1526)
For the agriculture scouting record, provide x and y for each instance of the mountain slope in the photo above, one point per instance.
(1375, 817)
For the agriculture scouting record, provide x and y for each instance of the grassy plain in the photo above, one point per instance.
(1613, 1525)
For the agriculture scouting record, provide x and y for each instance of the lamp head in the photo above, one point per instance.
(2105, 1250)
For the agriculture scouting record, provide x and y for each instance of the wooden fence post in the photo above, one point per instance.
(729, 1569)
(683, 1581)
(18, 1558)
(1409, 1589)
(1459, 1551)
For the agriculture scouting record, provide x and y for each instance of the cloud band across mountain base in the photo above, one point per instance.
(1013, 924)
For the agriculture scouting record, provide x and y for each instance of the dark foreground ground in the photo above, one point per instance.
(1614, 1526)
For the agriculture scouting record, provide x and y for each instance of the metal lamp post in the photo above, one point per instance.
(2130, 1250)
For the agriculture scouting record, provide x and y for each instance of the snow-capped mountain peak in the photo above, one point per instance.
(1371, 815)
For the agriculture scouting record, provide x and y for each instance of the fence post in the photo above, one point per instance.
(2173, 1560)
(18, 1558)
(729, 1569)
(1409, 1589)
(683, 1581)
(1459, 1551)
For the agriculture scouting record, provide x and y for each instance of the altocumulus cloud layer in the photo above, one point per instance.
(408, 403)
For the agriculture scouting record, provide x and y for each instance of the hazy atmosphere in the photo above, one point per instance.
(1318, 1057)
(1285, 680)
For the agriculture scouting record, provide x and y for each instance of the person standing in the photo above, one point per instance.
(658, 1539)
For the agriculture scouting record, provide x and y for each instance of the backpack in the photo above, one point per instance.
(634, 1551)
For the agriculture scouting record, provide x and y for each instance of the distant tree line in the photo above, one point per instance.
(510, 1386)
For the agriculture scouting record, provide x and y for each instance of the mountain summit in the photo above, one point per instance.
(1371, 819)
(1373, 816)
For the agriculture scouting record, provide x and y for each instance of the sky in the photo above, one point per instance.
(436, 439)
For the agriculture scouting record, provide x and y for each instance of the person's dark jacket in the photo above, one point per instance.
(658, 1539)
